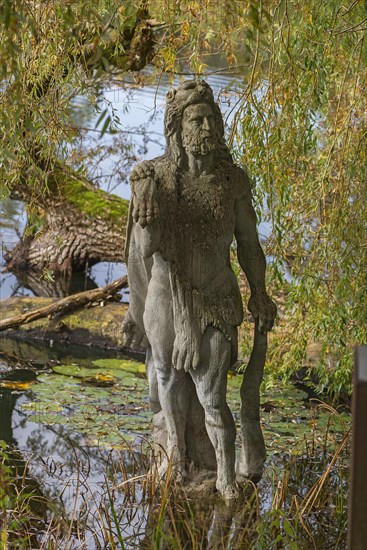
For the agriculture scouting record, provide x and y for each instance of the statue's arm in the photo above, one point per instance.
(139, 272)
(251, 258)
(145, 208)
(142, 240)
(147, 238)
(249, 252)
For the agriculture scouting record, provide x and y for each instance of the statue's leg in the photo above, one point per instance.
(152, 381)
(174, 402)
(211, 385)
(172, 384)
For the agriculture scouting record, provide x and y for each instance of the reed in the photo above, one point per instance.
(300, 503)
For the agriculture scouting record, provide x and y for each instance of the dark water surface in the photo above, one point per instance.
(54, 461)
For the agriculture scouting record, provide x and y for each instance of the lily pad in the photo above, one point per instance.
(100, 380)
(121, 364)
(290, 422)
(107, 400)
(43, 408)
(48, 418)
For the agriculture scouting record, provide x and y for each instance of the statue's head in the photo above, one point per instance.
(193, 122)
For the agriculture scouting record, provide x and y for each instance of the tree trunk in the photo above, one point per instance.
(72, 226)
(75, 225)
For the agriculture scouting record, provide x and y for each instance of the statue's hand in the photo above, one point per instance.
(145, 205)
(263, 309)
(186, 349)
(142, 171)
(134, 337)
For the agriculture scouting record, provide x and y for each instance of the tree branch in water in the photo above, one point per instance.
(65, 304)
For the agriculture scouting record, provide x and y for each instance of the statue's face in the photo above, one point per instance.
(199, 135)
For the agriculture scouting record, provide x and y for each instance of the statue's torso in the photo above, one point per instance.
(197, 225)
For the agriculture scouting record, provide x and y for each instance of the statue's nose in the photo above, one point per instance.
(206, 125)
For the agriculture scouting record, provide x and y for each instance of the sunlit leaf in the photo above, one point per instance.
(13, 385)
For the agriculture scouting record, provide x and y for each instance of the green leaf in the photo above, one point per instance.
(106, 124)
(101, 117)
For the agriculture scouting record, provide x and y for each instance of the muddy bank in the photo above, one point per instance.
(97, 325)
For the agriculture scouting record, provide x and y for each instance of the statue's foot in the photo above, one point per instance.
(230, 493)
(254, 475)
(255, 478)
(250, 469)
(175, 469)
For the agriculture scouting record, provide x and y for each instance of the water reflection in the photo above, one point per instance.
(206, 524)
(58, 467)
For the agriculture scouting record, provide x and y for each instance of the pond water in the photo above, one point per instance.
(78, 427)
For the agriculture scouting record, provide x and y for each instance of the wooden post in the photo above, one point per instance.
(357, 535)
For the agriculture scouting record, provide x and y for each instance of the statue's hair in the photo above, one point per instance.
(190, 92)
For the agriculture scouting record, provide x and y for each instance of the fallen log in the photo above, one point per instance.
(65, 304)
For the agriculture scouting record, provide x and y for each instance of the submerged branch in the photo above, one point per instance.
(65, 304)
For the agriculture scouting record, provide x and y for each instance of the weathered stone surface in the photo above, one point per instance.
(185, 303)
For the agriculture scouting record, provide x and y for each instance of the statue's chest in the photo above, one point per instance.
(204, 198)
(199, 204)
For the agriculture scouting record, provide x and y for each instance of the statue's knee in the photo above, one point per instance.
(217, 414)
(212, 409)
(164, 372)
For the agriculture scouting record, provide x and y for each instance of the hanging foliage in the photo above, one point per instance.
(299, 125)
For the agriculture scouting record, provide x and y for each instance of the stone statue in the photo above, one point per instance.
(185, 304)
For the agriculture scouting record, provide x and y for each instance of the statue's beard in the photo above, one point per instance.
(198, 143)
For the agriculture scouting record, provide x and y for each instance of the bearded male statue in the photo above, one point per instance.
(185, 305)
